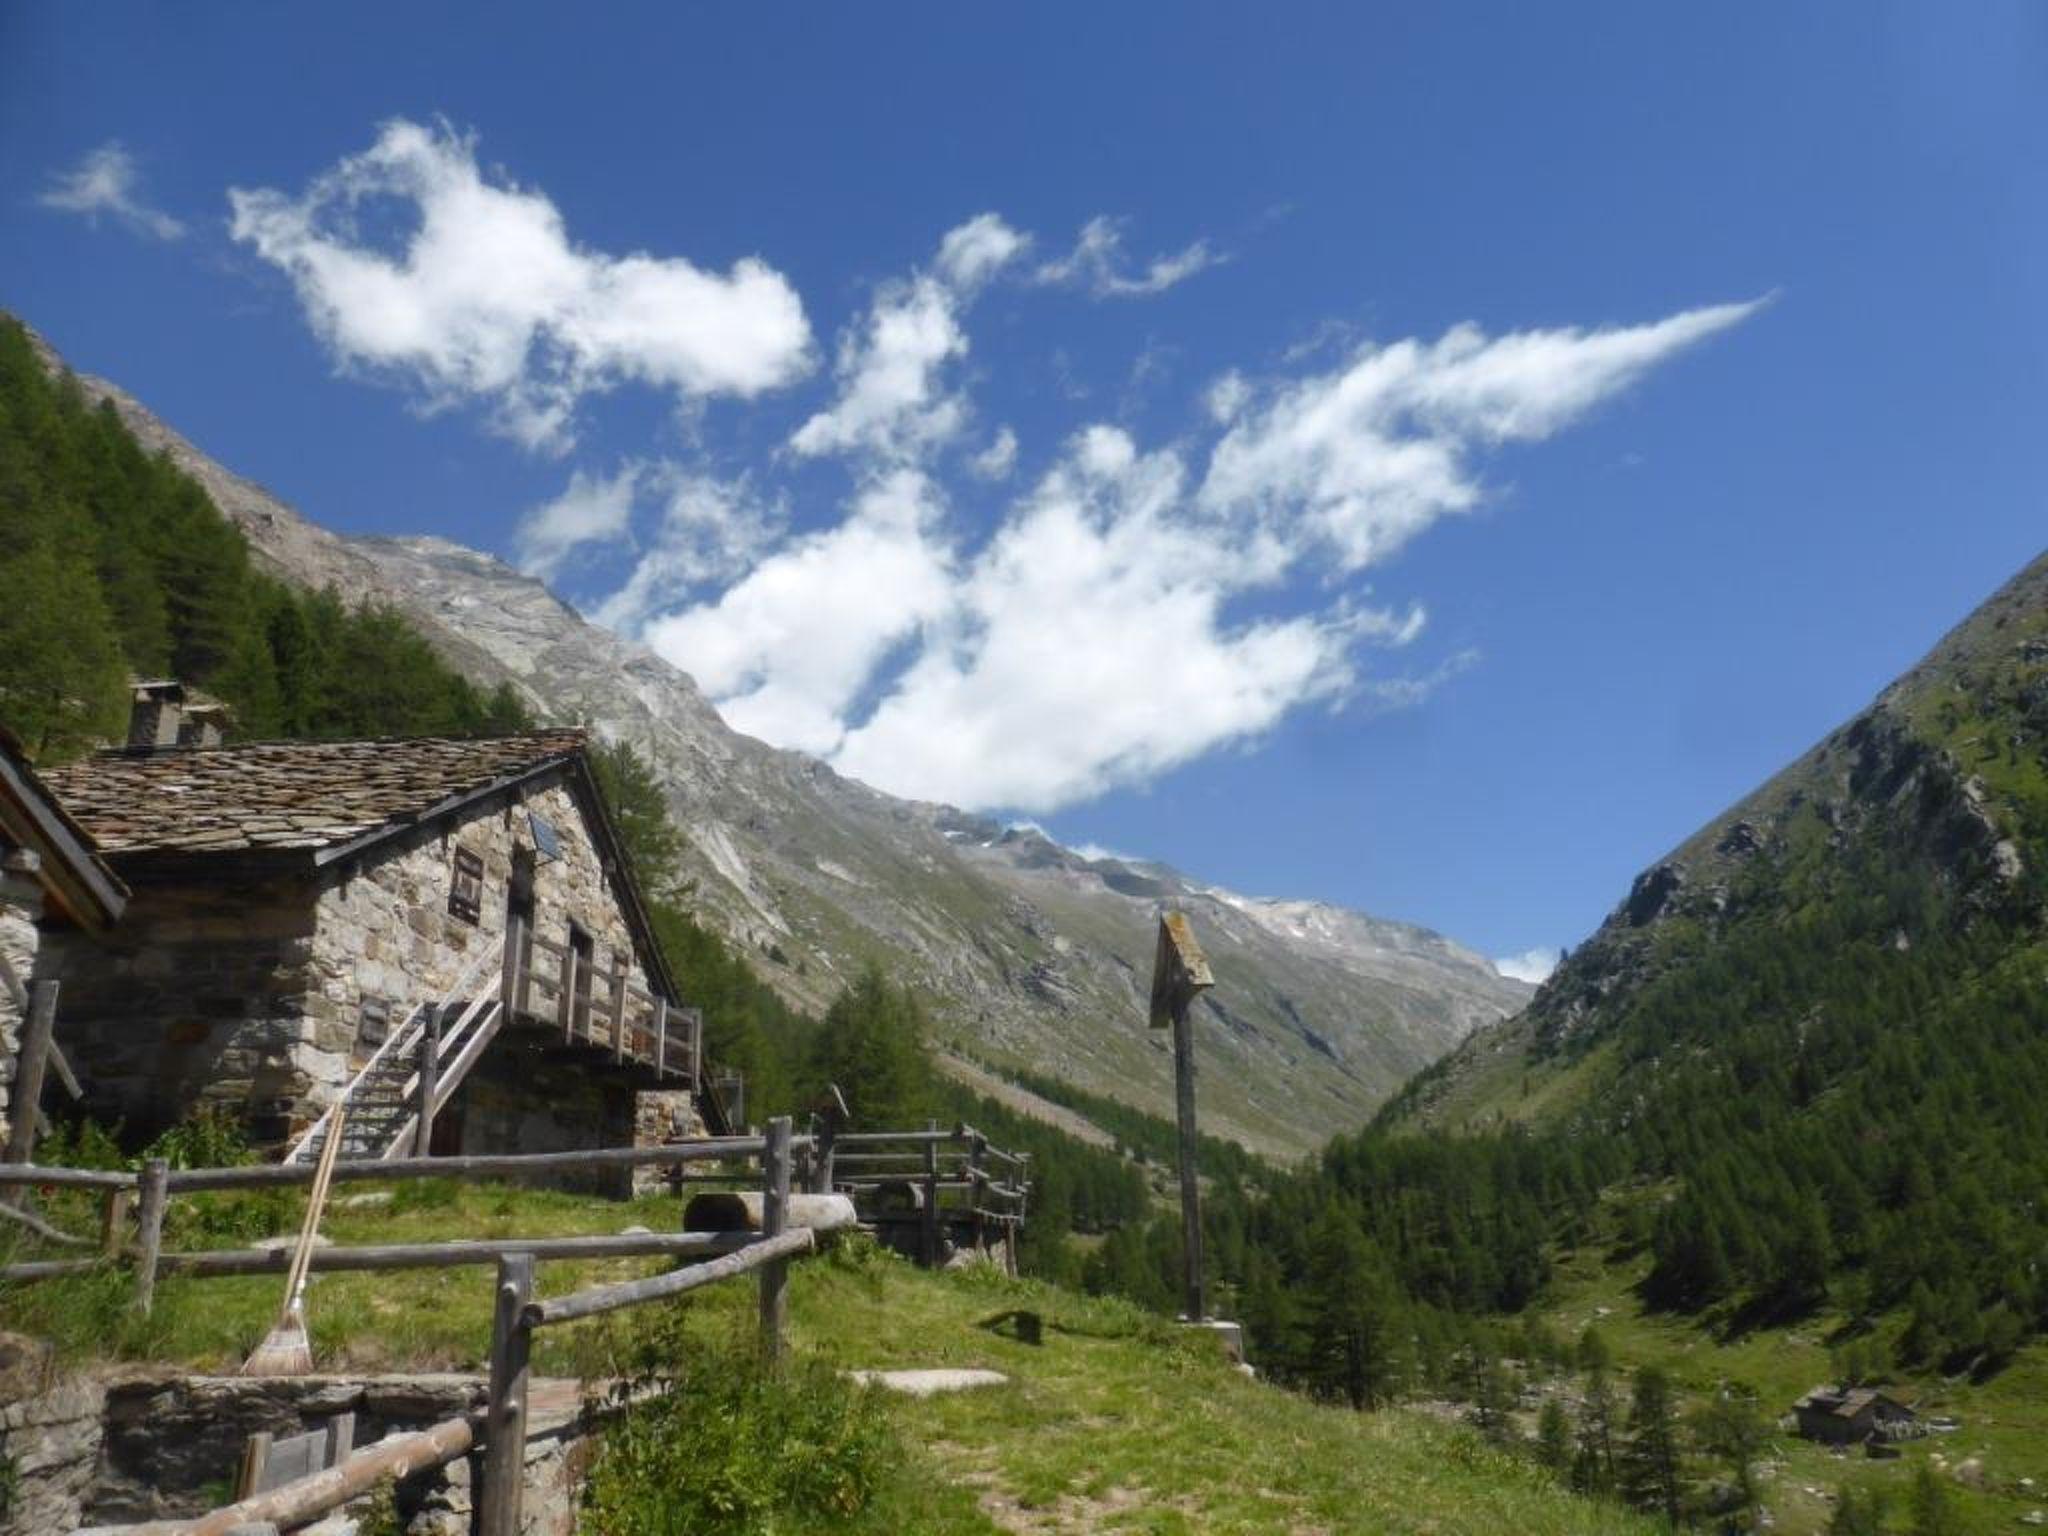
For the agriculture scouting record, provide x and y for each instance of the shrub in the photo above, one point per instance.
(735, 1447)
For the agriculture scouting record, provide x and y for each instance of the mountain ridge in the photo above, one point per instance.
(1943, 763)
(1036, 956)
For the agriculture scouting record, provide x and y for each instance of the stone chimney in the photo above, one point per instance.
(165, 713)
(155, 713)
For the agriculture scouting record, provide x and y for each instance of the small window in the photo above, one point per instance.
(466, 894)
(375, 1025)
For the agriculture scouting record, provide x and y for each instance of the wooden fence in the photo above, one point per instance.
(919, 1189)
(517, 1313)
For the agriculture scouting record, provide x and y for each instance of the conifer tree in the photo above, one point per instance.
(1649, 1471)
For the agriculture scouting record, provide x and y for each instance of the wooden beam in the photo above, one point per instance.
(31, 1057)
(928, 1245)
(759, 1253)
(774, 1219)
(482, 1165)
(430, 1084)
(296, 1503)
(504, 1483)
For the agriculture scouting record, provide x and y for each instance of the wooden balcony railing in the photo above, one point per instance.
(604, 1005)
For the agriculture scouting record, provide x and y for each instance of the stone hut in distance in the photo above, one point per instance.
(441, 933)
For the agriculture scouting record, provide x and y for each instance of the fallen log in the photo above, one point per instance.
(742, 1210)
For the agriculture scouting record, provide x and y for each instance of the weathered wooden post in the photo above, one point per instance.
(1179, 974)
(512, 979)
(774, 1217)
(696, 1047)
(928, 1246)
(618, 980)
(505, 1429)
(977, 1188)
(31, 1062)
(430, 1083)
(155, 1190)
(824, 1154)
(114, 1222)
(566, 973)
(660, 1038)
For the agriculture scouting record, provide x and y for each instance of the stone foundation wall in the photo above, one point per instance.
(94, 1453)
(519, 1099)
(197, 996)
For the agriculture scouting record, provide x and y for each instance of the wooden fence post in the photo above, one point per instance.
(504, 1467)
(31, 1061)
(929, 1245)
(430, 1083)
(774, 1216)
(697, 1048)
(660, 1038)
(977, 1188)
(150, 1238)
(114, 1222)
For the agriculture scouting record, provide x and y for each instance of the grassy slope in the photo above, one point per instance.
(1116, 1423)
(2004, 1422)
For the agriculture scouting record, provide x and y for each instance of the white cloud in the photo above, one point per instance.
(893, 404)
(106, 182)
(1531, 965)
(1032, 691)
(975, 251)
(1134, 609)
(482, 295)
(590, 511)
(786, 650)
(1369, 455)
(996, 460)
(1096, 260)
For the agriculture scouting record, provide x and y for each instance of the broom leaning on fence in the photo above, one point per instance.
(285, 1350)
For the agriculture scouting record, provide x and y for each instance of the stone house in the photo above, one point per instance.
(49, 876)
(442, 934)
(1851, 1415)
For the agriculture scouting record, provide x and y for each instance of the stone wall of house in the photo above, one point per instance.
(21, 903)
(385, 934)
(197, 996)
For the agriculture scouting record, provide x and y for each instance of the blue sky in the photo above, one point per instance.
(1425, 459)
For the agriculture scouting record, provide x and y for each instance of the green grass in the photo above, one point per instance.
(1116, 1423)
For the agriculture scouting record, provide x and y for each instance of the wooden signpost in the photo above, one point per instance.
(1180, 973)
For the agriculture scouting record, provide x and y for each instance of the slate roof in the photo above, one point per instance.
(288, 796)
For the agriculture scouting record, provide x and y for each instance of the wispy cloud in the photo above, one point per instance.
(895, 401)
(484, 296)
(107, 182)
(1098, 266)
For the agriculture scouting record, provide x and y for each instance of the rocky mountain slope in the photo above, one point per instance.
(1035, 955)
(1933, 802)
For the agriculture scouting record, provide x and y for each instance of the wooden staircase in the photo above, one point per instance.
(438, 1044)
